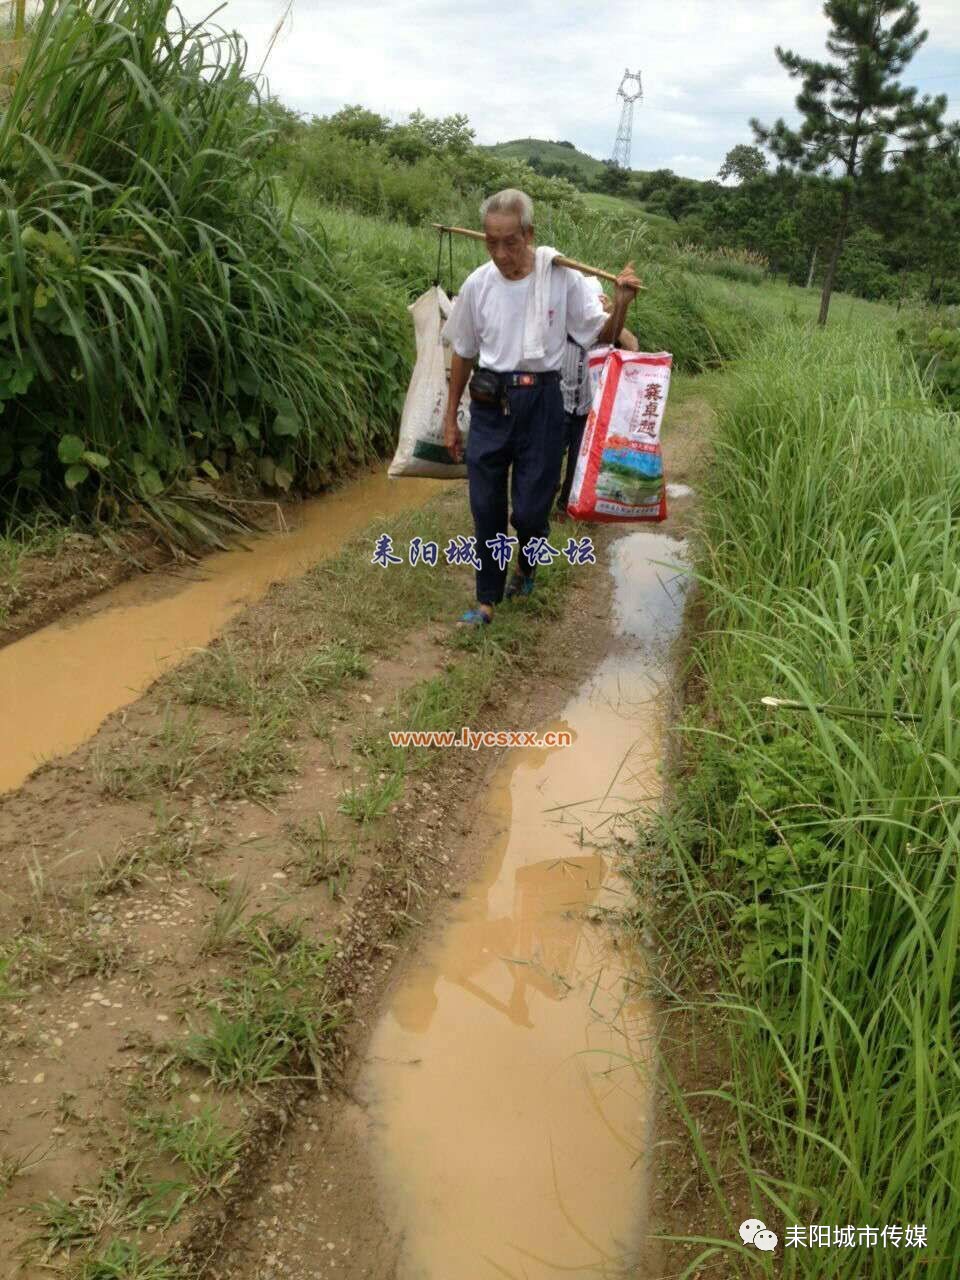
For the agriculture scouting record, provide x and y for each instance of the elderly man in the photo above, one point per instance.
(516, 412)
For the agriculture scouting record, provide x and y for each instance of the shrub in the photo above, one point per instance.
(937, 351)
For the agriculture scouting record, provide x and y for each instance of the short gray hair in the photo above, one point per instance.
(509, 201)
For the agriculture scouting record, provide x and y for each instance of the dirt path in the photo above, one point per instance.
(321, 1210)
(210, 897)
(327, 1206)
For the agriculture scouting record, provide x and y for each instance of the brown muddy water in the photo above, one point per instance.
(508, 1083)
(59, 684)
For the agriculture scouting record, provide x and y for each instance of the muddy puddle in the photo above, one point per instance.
(508, 1084)
(58, 684)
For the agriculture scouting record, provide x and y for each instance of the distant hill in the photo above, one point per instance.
(554, 153)
(549, 153)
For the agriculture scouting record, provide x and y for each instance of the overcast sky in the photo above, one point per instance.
(528, 68)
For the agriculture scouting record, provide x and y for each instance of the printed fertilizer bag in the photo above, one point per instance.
(619, 472)
(420, 450)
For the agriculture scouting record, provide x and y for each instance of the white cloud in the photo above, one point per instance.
(532, 68)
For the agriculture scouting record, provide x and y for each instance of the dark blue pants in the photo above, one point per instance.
(573, 426)
(530, 439)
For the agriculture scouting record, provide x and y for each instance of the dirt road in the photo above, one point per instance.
(211, 904)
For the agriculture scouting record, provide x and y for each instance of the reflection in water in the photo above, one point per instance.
(508, 1080)
(59, 684)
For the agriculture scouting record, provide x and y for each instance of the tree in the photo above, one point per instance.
(922, 217)
(612, 179)
(360, 124)
(744, 163)
(862, 268)
(854, 107)
(407, 144)
(449, 133)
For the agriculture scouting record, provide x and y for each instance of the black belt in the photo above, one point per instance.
(524, 378)
(490, 387)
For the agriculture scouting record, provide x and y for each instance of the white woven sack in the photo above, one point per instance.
(420, 450)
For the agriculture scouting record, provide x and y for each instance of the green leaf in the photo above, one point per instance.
(268, 470)
(70, 449)
(249, 381)
(97, 460)
(76, 475)
(282, 479)
(207, 466)
(30, 455)
(20, 380)
(150, 482)
(288, 422)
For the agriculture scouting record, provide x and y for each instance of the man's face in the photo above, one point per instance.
(508, 244)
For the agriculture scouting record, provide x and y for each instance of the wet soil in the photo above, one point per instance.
(124, 973)
(76, 580)
(46, 586)
(58, 684)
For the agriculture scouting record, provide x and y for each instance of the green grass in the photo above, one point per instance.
(256, 761)
(40, 534)
(227, 922)
(269, 683)
(662, 230)
(166, 849)
(321, 860)
(372, 800)
(125, 1198)
(810, 860)
(275, 1019)
(201, 1141)
(125, 1260)
(173, 753)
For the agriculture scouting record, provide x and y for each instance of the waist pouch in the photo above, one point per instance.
(485, 387)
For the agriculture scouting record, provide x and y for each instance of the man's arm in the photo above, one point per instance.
(627, 286)
(626, 341)
(460, 370)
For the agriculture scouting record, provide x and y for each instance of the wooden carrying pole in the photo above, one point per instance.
(559, 259)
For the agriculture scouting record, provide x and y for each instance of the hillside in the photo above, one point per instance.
(549, 153)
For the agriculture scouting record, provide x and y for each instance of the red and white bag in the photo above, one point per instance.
(619, 472)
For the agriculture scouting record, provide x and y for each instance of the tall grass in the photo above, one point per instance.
(811, 858)
(741, 265)
(163, 315)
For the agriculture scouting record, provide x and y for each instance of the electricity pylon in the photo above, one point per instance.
(622, 146)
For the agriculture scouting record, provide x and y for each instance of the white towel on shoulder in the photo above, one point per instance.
(538, 300)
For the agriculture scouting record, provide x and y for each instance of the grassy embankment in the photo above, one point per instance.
(807, 884)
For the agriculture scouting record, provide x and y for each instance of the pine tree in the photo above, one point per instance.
(855, 111)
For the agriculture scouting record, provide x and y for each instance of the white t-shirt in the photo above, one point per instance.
(488, 316)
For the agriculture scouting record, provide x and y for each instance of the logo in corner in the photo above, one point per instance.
(753, 1231)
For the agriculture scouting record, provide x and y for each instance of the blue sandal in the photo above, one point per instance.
(521, 584)
(474, 618)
